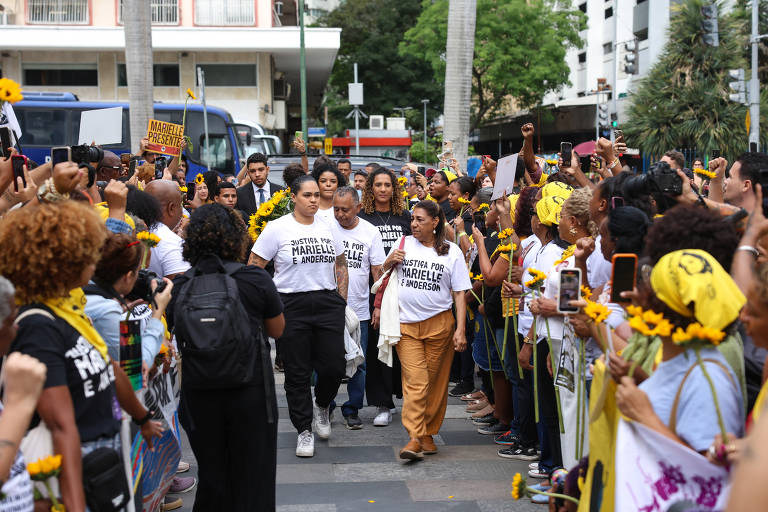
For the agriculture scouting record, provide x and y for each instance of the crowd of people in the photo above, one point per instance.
(409, 283)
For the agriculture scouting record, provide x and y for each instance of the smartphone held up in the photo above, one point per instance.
(623, 276)
(569, 286)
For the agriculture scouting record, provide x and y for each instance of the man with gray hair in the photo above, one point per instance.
(7, 314)
(365, 255)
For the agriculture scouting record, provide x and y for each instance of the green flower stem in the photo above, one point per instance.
(517, 338)
(535, 375)
(577, 450)
(488, 349)
(554, 367)
(598, 408)
(723, 432)
(51, 495)
(553, 495)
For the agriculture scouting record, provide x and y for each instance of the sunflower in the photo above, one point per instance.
(649, 323)
(537, 280)
(706, 173)
(696, 331)
(10, 91)
(199, 179)
(585, 291)
(463, 200)
(596, 311)
(150, 239)
(506, 233)
(191, 94)
(518, 487)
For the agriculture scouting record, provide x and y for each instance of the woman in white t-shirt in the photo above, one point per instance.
(311, 278)
(432, 276)
(329, 179)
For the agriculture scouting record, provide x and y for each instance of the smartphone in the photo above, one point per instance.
(623, 275)
(618, 135)
(6, 143)
(18, 162)
(60, 154)
(421, 170)
(566, 150)
(131, 167)
(715, 154)
(568, 290)
(190, 190)
(160, 165)
(298, 135)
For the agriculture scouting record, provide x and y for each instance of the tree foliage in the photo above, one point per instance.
(520, 48)
(683, 101)
(371, 33)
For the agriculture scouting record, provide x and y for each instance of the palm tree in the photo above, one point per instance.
(138, 65)
(460, 48)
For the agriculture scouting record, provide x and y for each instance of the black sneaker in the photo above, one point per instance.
(462, 388)
(519, 453)
(352, 422)
(508, 438)
(485, 420)
(493, 429)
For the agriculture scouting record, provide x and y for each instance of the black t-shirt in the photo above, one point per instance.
(73, 362)
(392, 227)
(450, 214)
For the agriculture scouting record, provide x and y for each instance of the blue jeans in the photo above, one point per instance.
(356, 385)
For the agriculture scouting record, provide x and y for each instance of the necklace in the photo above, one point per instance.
(383, 222)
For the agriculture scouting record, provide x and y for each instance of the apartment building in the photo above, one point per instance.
(248, 50)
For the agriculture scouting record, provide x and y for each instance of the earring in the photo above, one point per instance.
(573, 230)
(434, 232)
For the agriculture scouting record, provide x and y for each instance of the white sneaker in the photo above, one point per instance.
(305, 444)
(533, 465)
(321, 422)
(384, 417)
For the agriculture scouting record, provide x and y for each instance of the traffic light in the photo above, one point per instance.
(737, 86)
(630, 58)
(602, 115)
(614, 120)
(709, 25)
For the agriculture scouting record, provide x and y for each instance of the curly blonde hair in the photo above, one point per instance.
(46, 247)
(577, 205)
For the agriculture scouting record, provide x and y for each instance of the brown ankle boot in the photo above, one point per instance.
(428, 445)
(412, 451)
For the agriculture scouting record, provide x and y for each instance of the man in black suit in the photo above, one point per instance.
(259, 190)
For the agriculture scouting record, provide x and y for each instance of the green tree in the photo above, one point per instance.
(371, 33)
(520, 48)
(683, 101)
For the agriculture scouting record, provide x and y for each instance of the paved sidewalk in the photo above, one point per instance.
(359, 470)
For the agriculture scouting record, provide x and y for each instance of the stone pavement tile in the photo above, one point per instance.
(392, 435)
(510, 505)
(458, 424)
(456, 411)
(322, 507)
(466, 437)
(345, 493)
(426, 506)
(429, 469)
(458, 452)
(336, 455)
(461, 490)
(301, 473)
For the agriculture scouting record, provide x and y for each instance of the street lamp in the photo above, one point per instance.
(425, 125)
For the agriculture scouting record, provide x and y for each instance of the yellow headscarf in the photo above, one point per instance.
(449, 175)
(693, 284)
(556, 188)
(512, 205)
(72, 310)
(548, 210)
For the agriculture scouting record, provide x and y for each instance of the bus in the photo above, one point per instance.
(53, 119)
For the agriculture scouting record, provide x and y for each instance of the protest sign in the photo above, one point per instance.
(102, 126)
(164, 137)
(505, 176)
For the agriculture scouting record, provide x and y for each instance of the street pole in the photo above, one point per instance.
(201, 81)
(615, 87)
(754, 84)
(597, 116)
(303, 66)
(357, 122)
(425, 126)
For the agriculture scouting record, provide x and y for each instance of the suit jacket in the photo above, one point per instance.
(246, 200)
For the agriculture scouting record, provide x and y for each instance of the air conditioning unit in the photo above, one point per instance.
(395, 123)
(376, 123)
(281, 89)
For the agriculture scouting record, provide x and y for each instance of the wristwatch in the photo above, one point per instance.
(527, 340)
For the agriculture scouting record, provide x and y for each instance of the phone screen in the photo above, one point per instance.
(298, 135)
(18, 171)
(624, 268)
(5, 142)
(190, 190)
(715, 153)
(59, 155)
(160, 164)
(565, 153)
(618, 135)
(132, 166)
(570, 284)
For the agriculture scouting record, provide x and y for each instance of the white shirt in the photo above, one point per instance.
(166, 255)
(256, 194)
(364, 249)
(326, 216)
(598, 268)
(19, 495)
(532, 244)
(304, 254)
(427, 280)
(551, 289)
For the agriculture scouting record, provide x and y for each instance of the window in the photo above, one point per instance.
(642, 35)
(61, 74)
(582, 57)
(164, 12)
(43, 127)
(607, 48)
(57, 12)
(583, 7)
(229, 75)
(608, 12)
(225, 12)
(163, 75)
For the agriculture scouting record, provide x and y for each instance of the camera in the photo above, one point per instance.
(142, 290)
(84, 154)
(661, 182)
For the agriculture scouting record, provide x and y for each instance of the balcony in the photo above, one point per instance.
(164, 12)
(225, 13)
(57, 12)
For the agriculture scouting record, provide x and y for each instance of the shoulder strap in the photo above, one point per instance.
(402, 243)
(673, 412)
(32, 312)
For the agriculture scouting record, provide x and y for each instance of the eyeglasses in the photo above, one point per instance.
(113, 167)
(532, 212)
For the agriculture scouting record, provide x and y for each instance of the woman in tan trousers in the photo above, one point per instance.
(432, 277)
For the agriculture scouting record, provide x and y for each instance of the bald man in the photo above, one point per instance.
(109, 168)
(166, 258)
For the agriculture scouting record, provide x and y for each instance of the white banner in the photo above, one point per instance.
(654, 472)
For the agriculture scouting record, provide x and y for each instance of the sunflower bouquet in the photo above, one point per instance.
(41, 471)
(277, 206)
(10, 91)
(508, 305)
(706, 173)
(647, 329)
(148, 240)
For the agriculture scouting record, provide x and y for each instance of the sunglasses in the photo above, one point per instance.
(532, 212)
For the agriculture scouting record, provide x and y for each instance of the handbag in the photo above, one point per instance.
(384, 281)
(104, 481)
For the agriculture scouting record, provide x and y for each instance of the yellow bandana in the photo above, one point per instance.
(548, 210)
(72, 310)
(693, 283)
(558, 189)
(512, 205)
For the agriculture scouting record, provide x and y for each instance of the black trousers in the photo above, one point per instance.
(235, 446)
(313, 339)
(381, 381)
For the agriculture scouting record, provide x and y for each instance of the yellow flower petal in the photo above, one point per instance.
(191, 94)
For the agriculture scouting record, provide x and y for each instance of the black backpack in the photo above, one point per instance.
(219, 344)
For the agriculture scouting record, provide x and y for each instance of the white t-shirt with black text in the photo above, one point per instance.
(304, 254)
(364, 249)
(427, 280)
